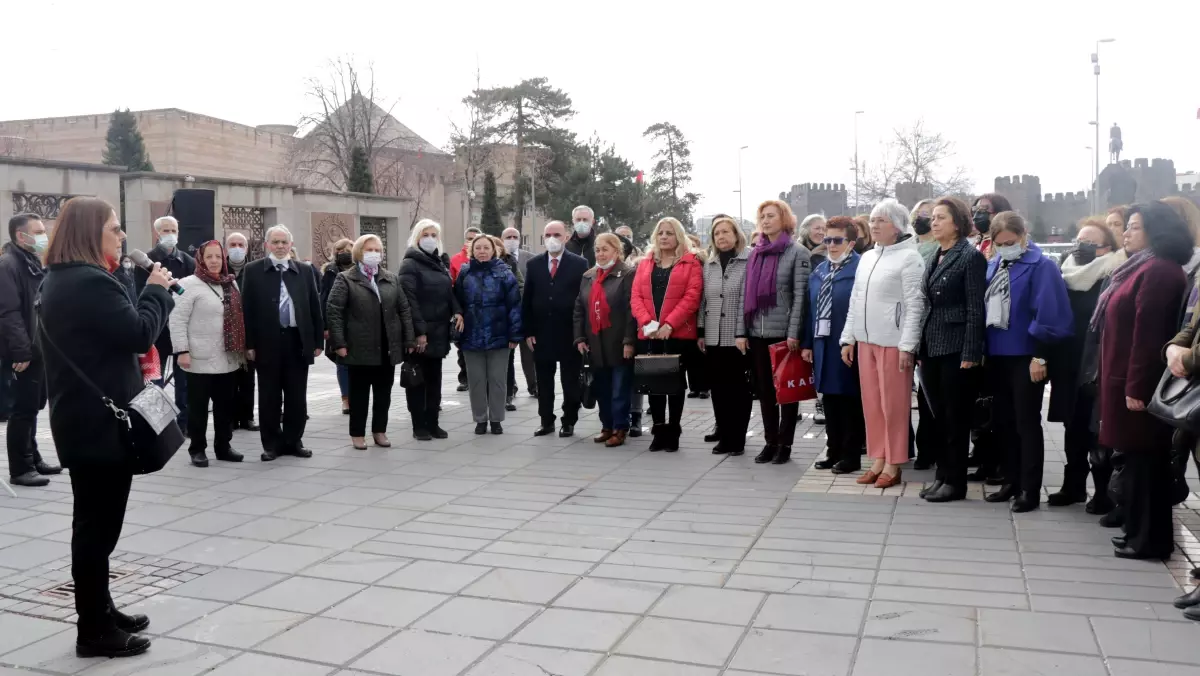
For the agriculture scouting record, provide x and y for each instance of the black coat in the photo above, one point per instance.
(92, 318)
(426, 280)
(180, 265)
(548, 305)
(954, 292)
(328, 274)
(20, 275)
(260, 306)
(607, 348)
(584, 246)
(1066, 362)
(360, 321)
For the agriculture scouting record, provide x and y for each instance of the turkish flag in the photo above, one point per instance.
(638, 178)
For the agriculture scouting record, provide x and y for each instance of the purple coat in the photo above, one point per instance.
(1041, 312)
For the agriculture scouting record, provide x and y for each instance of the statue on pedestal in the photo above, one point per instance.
(1114, 144)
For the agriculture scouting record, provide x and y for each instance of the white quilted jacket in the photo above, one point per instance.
(887, 305)
(197, 327)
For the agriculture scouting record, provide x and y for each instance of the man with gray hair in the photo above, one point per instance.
(237, 249)
(583, 233)
(284, 334)
(180, 264)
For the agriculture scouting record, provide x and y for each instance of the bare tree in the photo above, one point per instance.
(913, 155)
(15, 147)
(348, 111)
(473, 143)
(412, 176)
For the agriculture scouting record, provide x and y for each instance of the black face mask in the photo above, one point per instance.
(343, 259)
(1085, 252)
(982, 221)
(922, 225)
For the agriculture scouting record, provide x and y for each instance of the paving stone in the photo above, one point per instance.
(1039, 631)
(578, 629)
(169, 612)
(227, 584)
(267, 528)
(166, 657)
(795, 654)
(447, 578)
(251, 664)
(389, 607)
(1139, 668)
(622, 596)
(237, 626)
(333, 536)
(952, 597)
(811, 613)
(681, 641)
(1005, 662)
(706, 604)
(877, 657)
(217, 550)
(419, 653)
(1146, 640)
(522, 660)
(356, 567)
(947, 581)
(520, 585)
(54, 654)
(209, 523)
(619, 665)
(481, 618)
(283, 558)
(921, 622)
(326, 640)
(303, 594)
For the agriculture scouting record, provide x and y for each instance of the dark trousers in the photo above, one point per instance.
(529, 368)
(1017, 413)
(218, 388)
(951, 394)
(568, 368)
(779, 421)
(846, 428)
(282, 392)
(614, 391)
(462, 368)
(424, 399)
(1079, 442)
(697, 377)
(364, 380)
(730, 394)
(6, 379)
(926, 438)
(179, 380)
(99, 514)
(243, 412)
(28, 390)
(1146, 500)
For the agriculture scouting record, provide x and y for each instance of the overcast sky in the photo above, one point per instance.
(1009, 82)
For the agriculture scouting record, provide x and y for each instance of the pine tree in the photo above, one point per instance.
(490, 220)
(125, 146)
(361, 179)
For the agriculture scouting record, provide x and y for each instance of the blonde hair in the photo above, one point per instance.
(492, 241)
(414, 236)
(682, 243)
(359, 244)
(738, 234)
(343, 244)
(613, 241)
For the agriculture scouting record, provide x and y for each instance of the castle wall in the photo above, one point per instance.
(829, 199)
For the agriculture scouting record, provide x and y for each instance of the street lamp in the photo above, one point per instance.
(857, 199)
(1096, 189)
(739, 190)
(1096, 71)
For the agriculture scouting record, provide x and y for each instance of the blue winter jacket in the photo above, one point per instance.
(832, 374)
(1040, 314)
(491, 304)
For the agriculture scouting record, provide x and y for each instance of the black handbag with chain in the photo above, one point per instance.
(1176, 401)
(411, 375)
(147, 423)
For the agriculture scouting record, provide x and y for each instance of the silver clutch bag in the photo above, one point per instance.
(155, 407)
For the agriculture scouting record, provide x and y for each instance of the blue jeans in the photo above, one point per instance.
(614, 387)
(343, 376)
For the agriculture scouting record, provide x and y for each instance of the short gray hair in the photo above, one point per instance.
(506, 230)
(278, 228)
(583, 207)
(231, 235)
(893, 211)
(414, 237)
(158, 223)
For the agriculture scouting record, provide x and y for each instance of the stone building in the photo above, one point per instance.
(828, 199)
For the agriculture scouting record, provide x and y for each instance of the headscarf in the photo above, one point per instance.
(1119, 276)
(598, 302)
(233, 327)
(761, 270)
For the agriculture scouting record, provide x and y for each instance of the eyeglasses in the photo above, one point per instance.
(836, 241)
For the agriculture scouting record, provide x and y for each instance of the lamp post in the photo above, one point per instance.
(1092, 162)
(857, 198)
(1096, 71)
(739, 190)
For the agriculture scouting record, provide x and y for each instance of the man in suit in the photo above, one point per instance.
(180, 264)
(512, 244)
(237, 248)
(548, 312)
(284, 333)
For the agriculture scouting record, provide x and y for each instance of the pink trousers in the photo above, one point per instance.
(887, 402)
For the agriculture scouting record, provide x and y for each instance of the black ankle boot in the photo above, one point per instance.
(111, 642)
(1113, 519)
(130, 623)
(767, 454)
(673, 433)
(1189, 599)
(46, 468)
(657, 440)
(931, 488)
(1006, 493)
(1066, 497)
(947, 493)
(783, 455)
(1027, 501)
(635, 424)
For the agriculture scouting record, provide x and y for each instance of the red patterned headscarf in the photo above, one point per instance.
(234, 327)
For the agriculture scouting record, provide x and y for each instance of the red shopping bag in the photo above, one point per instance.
(794, 380)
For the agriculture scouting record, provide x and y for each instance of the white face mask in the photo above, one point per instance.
(512, 246)
(237, 255)
(1011, 252)
(839, 259)
(583, 228)
(553, 245)
(428, 244)
(605, 266)
(168, 241)
(372, 259)
(40, 242)
(127, 265)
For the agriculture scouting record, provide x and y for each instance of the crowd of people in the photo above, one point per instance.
(953, 301)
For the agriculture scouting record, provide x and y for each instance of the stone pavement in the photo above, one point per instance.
(513, 556)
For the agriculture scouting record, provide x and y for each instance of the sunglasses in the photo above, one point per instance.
(836, 241)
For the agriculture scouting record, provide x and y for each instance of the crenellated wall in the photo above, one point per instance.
(816, 198)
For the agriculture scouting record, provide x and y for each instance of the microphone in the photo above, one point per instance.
(143, 261)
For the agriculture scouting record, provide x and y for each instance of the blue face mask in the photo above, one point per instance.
(1011, 252)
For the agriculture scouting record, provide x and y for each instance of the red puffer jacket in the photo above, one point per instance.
(682, 302)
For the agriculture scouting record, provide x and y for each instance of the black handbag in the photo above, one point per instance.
(658, 374)
(1176, 401)
(411, 375)
(586, 389)
(147, 423)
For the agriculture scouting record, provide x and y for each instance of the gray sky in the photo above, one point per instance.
(1009, 82)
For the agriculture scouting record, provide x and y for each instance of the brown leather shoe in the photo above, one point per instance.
(617, 439)
(886, 481)
(868, 477)
(604, 436)
(381, 440)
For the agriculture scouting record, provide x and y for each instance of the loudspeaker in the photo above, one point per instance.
(194, 209)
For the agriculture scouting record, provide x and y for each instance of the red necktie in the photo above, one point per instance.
(553, 267)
